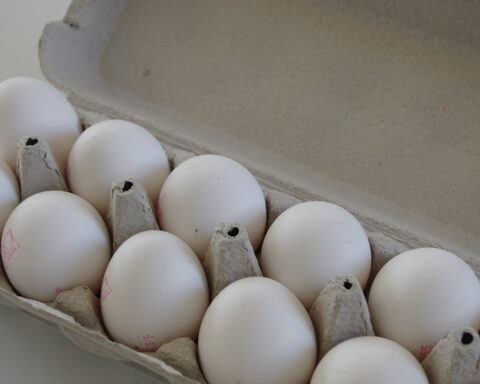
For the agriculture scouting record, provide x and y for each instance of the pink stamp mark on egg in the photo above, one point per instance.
(424, 351)
(106, 290)
(148, 343)
(9, 246)
(58, 290)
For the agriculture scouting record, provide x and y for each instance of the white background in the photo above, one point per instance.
(30, 352)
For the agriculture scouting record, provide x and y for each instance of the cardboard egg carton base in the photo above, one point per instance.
(339, 313)
(37, 169)
(79, 306)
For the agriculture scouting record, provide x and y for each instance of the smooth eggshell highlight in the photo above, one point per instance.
(311, 243)
(113, 150)
(207, 190)
(154, 291)
(54, 241)
(256, 331)
(420, 295)
(34, 107)
(369, 360)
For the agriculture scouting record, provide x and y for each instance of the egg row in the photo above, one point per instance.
(154, 288)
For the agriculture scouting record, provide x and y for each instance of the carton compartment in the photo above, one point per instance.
(76, 313)
(339, 313)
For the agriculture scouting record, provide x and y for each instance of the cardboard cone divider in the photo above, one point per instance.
(339, 313)
(130, 211)
(181, 354)
(455, 359)
(37, 169)
(230, 257)
(82, 304)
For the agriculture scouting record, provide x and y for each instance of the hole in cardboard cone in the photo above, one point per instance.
(467, 338)
(234, 231)
(31, 141)
(127, 186)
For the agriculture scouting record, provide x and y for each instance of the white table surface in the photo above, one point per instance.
(30, 352)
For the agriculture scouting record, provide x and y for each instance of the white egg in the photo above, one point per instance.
(420, 295)
(33, 107)
(369, 360)
(54, 241)
(256, 331)
(311, 243)
(113, 150)
(154, 291)
(205, 191)
(9, 192)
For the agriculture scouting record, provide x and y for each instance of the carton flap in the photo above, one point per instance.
(373, 105)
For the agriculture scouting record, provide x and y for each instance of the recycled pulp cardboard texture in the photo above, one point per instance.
(339, 313)
(372, 106)
(455, 359)
(230, 257)
(130, 211)
(37, 169)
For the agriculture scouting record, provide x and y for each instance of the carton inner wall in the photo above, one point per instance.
(373, 106)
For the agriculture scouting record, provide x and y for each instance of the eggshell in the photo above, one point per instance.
(311, 243)
(421, 294)
(33, 107)
(54, 241)
(369, 360)
(113, 150)
(154, 291)
(9, 192)
(205, 191)
(256, 331)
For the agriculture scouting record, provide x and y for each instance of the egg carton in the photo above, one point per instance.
(280, 86)
(339, 313)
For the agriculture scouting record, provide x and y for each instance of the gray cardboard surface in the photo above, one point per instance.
(130, 211)
(36, 168)
(455, 359)
(373, 105)
(230, 257)
(340, 313)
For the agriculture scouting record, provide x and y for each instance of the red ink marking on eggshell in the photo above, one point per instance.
(9, 246)
(106, 290)
(424, 351)
(58, 290)
(147, 343)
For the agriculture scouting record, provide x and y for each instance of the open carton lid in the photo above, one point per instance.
(372, 105)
